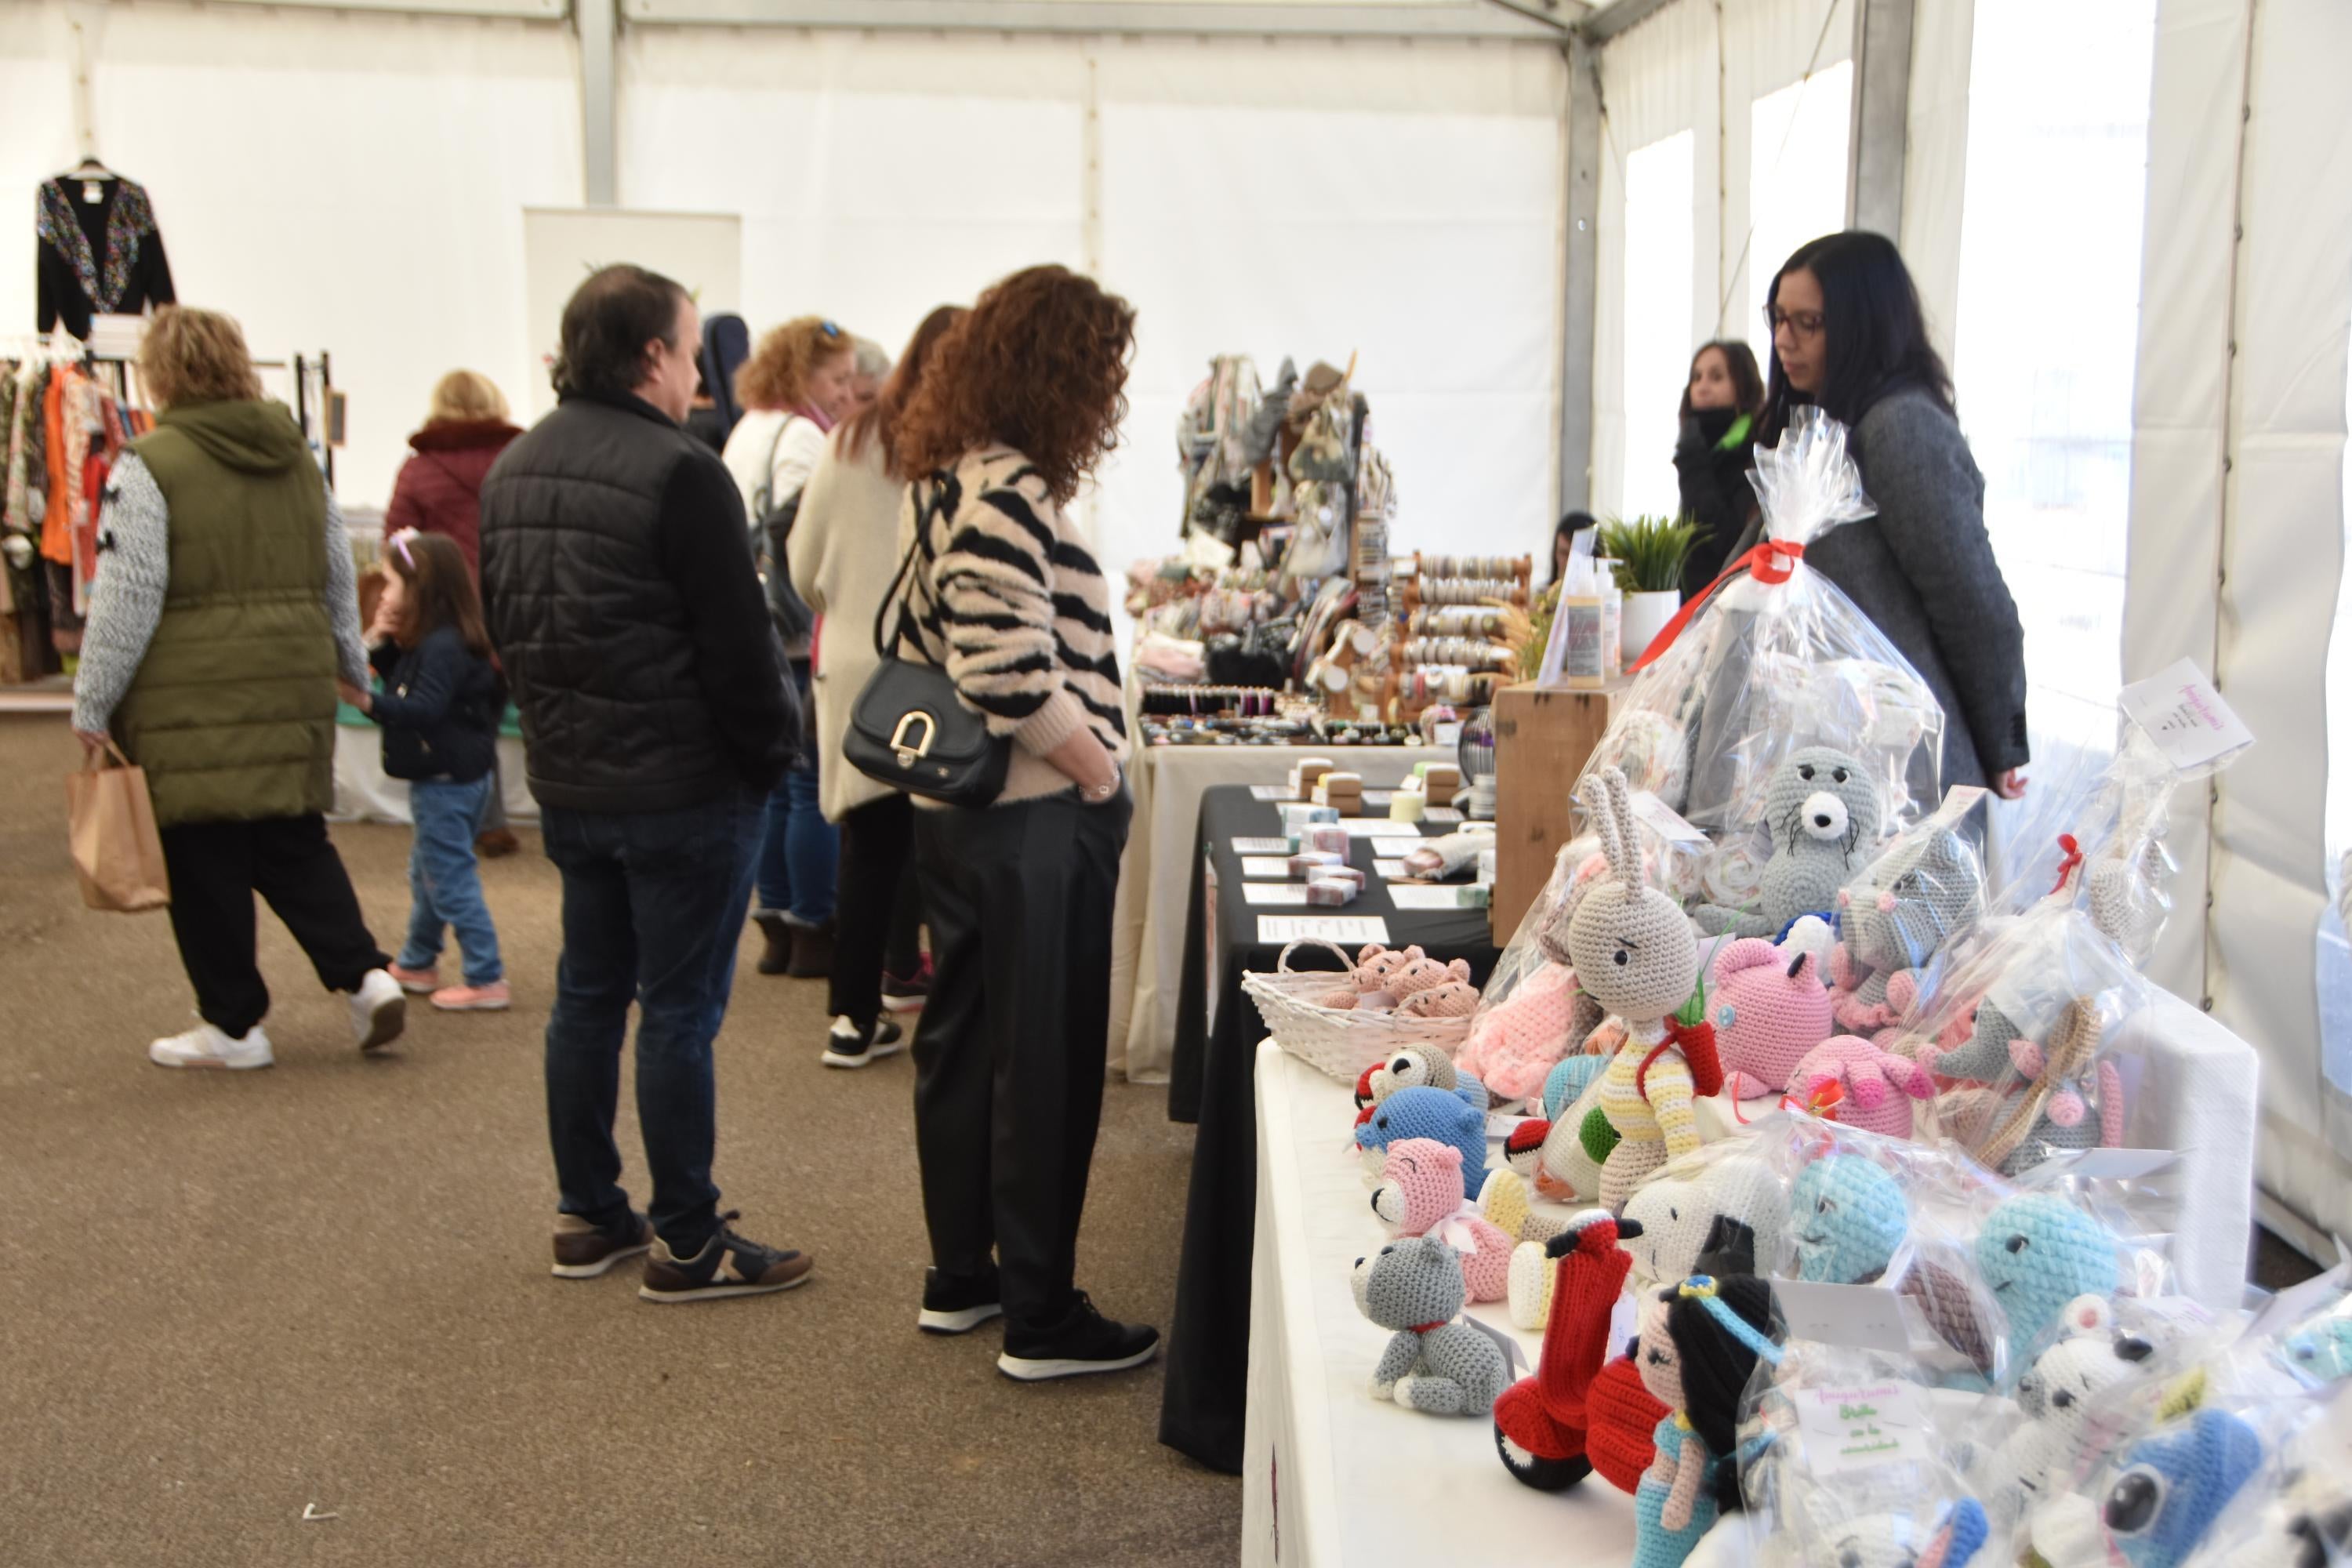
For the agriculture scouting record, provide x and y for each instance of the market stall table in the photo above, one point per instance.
(1146, 929)
(1217, 1032)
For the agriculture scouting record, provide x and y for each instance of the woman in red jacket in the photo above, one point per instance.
(439, 490)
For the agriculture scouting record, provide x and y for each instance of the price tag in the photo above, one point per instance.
(2186, 717)
(1860, 1426)
(1293, 894)
(1449, 734)
(1664, 820)
(1276, 866)
(1389, 870)
(1863, 1316)
(1348, 930)
(1261, 846)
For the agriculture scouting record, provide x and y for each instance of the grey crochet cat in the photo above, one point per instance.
(1917, 897)
(1822, 812)
(1432, 1364)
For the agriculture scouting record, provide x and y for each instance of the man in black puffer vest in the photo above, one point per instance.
(655, 718)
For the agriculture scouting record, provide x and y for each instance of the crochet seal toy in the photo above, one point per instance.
(1823, 813)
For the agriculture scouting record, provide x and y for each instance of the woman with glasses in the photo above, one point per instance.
(1848, 336)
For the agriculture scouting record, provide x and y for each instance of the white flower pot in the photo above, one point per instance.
(1646, 615)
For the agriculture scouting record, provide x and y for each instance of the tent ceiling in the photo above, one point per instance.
(1317, 18)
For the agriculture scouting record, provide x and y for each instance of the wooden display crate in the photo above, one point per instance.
(1542, 739)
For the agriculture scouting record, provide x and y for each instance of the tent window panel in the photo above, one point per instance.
(1658, 282)
(1796, 180)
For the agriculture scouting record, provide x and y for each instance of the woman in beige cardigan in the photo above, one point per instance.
(842, 554)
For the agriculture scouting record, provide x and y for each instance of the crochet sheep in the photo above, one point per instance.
(1681, 1218)
(1432, 1364)
(1823, 813)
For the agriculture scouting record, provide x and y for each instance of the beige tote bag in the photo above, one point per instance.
(112, 829)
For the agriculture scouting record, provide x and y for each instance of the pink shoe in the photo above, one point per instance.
(416, 982)
(492, 998)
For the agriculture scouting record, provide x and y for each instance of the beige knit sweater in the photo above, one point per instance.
(1006, 597)
(845, 548)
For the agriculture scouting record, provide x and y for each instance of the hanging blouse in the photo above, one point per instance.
(97, 258)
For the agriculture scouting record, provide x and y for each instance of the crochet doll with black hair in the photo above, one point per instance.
(1700, 1342)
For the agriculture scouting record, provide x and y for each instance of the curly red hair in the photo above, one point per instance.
(1039, 365)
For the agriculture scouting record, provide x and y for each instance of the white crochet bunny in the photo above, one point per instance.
(1633, 951)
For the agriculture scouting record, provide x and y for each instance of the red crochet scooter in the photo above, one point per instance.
(1576, 1414)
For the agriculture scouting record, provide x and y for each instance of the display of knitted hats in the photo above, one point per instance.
(1821, 810)
(1700, 1341)
(1542, 1425)
(1895, 920)
(1701, 1204)
(1770, 1010)
(1433, 1364)
(2073, 1409)
(1434, 1113)
(1633, 948)
(2066, 1098)
(2175, 1482)
(1846, 1217)
(1420, 1194)
(1516, 1042)
(2037, 1252)
(1855, 1082)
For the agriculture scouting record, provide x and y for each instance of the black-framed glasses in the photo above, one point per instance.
(1804, 323)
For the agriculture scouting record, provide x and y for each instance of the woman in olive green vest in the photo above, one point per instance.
(224, 609)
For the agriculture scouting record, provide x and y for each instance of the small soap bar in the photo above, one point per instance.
(1406, 806)
(1297, 816)
(1308, 863)
(1329, 835)
(1332, 891)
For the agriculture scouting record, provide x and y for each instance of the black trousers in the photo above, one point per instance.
(877, 908)
(217, 866)
(1009, 1055)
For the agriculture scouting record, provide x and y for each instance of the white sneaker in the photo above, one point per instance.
(379, 1010)
(207, 1046)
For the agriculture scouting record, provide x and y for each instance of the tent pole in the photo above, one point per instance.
(1581, 275)
(598, 21)
(1880, 134)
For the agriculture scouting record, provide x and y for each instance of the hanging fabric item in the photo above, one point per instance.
(100, 252)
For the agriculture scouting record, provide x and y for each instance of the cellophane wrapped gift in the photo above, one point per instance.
(1776, 659)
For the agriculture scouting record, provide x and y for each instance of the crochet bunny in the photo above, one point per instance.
(1424, 1111)
(1823, 813)
(1870, 1085)
(1919, 896)
(1432, 1364)
(1422, 1196)
(2068, 1099)
(1770, 1010)
(1519, 1038)
(1633, 948)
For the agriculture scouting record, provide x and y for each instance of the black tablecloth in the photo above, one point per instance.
(1209, 1083)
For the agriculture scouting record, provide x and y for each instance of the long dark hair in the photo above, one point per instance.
(1571, 525)
(879, 420)
(1877, 333)
(1747, 381)
(440, 591)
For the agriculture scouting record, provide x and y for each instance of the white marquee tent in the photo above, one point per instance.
(2131, 219)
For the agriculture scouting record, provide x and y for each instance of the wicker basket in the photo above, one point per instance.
(1341, 1042)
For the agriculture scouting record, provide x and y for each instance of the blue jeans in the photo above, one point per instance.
(652, 909)
(444, 883)
(799, 851)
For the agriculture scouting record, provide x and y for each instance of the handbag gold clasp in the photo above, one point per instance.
(907, 754)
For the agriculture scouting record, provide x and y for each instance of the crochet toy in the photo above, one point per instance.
(1847, 1217)
(2321, 1354)
(2039, 1252)
(1420, 1194)
(1412, 1066)
(1420, 972)
(2068, 1099)
(1733, 1200)
(1375, 965)
(1918, 896)
(1428, 1113)
(1542, 1423)
(1700, 1342)
(2175, 1482)
(1519, 1038)
(1633, 948)
(2070, 1415)
(1823, 813)
(1861, 1085)
(1892, 1540)
(1432, 1364)
(1770, 1010)
(1446, 999)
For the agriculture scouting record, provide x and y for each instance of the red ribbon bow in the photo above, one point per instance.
(1823, 1102)
(2067, 867)
(1770, 561)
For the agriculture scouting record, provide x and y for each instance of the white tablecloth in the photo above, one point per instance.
(1155, 879)
(363, 795)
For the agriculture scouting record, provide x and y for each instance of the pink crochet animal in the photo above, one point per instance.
(1421, 973)
(1420, 1194)
(1366, 985)
(1447, 999)
(1862, 1085)
(1770, 1009)
(1515, 1044)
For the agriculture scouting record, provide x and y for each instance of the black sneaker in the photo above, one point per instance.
(1083, 1342)
(958, 1304)
(845, 1048)
(583, 1251)
(727, 1265)
(907, 993)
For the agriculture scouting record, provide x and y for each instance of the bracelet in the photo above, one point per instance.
(1106, 791)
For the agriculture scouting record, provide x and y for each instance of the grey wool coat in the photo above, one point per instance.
(1923, 571)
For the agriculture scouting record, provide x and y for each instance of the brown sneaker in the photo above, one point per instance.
(727, 1265)
(582, 1251)
(497, 844)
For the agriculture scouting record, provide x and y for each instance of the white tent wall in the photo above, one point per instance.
(343, 181)
(2238, 524)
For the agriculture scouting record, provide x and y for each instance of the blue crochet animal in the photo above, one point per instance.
(1847, 1217)
(2039, 1252)
(2322, 1352)
(1566, 1084)
(1892, 1540)
(1424, 1112)
(2175, 1482)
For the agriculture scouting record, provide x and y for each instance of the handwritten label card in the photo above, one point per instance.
(1278, 893)
(2185, 716)
(1857, 1428)
(1275, 866)
(1261, 846)
(1348, 930)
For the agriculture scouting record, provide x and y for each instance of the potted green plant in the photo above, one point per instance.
(1649, 553)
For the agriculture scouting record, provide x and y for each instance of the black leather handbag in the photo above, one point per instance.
(908, 731)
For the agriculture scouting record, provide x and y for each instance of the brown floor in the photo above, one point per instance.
(225, 1299)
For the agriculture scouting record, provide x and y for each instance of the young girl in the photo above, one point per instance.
(439, 709)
